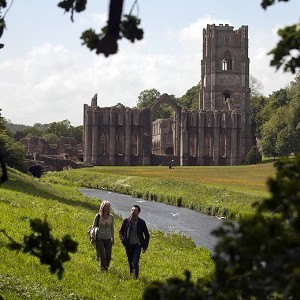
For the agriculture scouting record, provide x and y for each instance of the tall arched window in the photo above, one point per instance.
(208, 145)
(223, 144)
(134, 144)
(193, 144)
(103, 142)
(119, 142)
(227, 62)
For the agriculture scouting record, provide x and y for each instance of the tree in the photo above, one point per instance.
(147, 97)
(51, 138)
(270, 132)
(117, 28)
(285, 142)
(11, 152)
(262, 108)
(257, 102)
(65, 129)
(253, 156)
(256, 86)
(59, 128)
(258, 118)
(119, 105)
(280, 131)
(286, 54)
(190, 100)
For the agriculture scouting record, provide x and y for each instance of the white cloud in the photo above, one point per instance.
(51, 83)
(193, 32)
(260, 44)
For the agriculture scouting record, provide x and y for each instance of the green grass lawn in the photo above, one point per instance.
(69, 212)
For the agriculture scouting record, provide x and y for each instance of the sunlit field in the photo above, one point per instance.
(224, 191)
(250, 179)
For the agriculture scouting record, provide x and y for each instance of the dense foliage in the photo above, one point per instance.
(50, 132)
(147, 98)
(190, 100)
(276, 120)
(11, 152)
(254, 156)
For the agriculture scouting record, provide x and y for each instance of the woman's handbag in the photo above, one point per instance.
(92, 232)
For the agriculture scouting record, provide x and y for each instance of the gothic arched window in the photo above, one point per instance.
(103, 143)
(208, 145)
(223, 144)
(227, 62)
(134, 144)
(193, 145)
(119, 143)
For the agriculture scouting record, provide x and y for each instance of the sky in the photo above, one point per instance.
(47, 75)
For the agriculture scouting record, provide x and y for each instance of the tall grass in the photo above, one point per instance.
(69, 212)
(221, 191)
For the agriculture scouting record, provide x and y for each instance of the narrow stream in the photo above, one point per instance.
(166, 218)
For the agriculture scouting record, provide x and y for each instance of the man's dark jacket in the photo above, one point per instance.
(142, 232)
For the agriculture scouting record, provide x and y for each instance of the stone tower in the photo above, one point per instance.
(225, 76)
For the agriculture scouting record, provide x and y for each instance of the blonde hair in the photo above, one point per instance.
(101, 208)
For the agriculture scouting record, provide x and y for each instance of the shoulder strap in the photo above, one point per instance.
(97, 222)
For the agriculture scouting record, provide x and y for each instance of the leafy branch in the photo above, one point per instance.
(41, 244)
(286, 54)
(106, 42)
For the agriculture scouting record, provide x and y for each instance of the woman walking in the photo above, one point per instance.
(104, 221)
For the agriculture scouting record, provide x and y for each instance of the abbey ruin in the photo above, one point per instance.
(218, 133)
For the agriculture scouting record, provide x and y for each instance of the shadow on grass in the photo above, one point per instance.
(32, 190)
(269, 160)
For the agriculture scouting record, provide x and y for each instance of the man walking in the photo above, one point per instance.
(135, 237)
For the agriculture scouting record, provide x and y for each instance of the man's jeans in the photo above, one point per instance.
(133, 254)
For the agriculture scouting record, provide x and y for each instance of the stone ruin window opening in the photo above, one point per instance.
(208, 145)
(103, 145)
(228, 104)
(227, 62)
(193, 145)
(134, 143)
(170, 151)
(120, 141)
(226, 95)
(223, 144)
(163, 130)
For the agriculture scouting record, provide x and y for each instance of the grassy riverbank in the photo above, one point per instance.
(69, 212)
(228, 191)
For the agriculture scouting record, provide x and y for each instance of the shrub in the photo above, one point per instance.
(12, 152)
(254, 156)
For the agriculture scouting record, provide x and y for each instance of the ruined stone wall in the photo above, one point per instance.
(116, 136)
(65, 146)
(119, 136)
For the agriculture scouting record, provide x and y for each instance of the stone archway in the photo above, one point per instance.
(176, 132)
